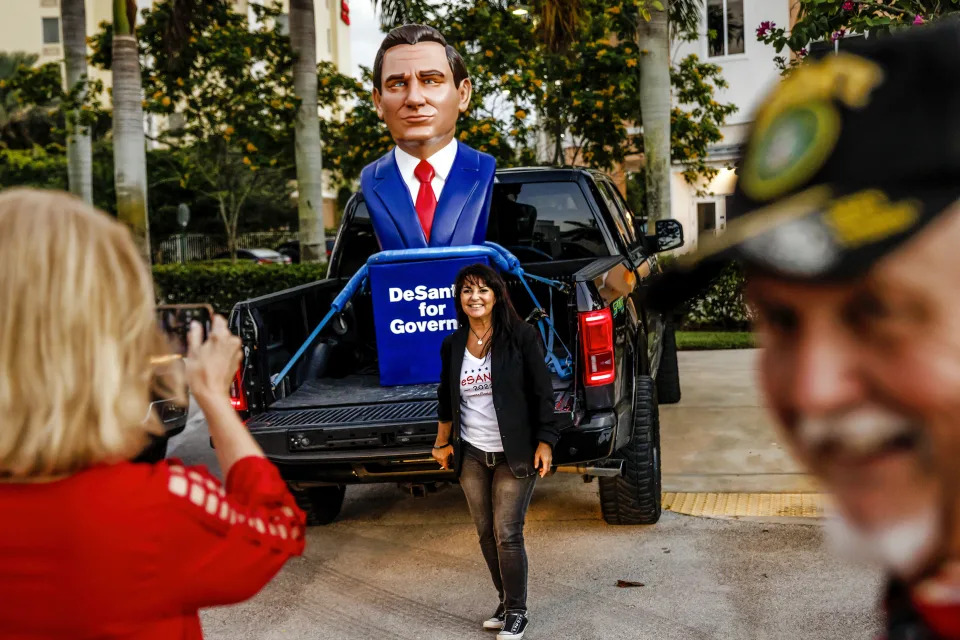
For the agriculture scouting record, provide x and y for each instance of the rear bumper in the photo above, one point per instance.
(399, 452)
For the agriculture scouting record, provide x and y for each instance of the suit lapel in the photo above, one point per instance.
(458, 345)
(393, 192)
(461, 184)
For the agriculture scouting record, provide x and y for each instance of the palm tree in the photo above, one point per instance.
(79, 151)
(309, 155)
(129, 145)
(653, 39)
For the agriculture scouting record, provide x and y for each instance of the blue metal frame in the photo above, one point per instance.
(500, 257)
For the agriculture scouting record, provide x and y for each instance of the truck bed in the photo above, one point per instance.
(355, 412)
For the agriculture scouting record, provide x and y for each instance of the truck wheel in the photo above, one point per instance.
(321, 504)
(668, 376)
(634, 497)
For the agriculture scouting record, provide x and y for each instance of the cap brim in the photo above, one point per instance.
(799, 238)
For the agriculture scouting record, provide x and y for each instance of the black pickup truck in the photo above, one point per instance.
(330, 423)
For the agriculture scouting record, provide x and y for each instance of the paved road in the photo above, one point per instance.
(398, 567)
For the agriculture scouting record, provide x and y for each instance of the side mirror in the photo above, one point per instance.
(669, 235)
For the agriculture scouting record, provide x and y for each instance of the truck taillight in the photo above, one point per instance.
(237, 397)
(596, 333)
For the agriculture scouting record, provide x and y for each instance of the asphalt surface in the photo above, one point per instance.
(397, 567)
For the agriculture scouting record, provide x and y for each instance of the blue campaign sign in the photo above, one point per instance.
(414, 309)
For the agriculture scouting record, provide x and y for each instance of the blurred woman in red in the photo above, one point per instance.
(91, 545)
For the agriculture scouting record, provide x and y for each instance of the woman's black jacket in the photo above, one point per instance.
(522, 395)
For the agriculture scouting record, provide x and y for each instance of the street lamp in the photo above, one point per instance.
(183, 219)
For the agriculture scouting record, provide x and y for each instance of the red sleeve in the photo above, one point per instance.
(224, 545)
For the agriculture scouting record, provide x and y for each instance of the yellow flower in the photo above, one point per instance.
(193, 40)
(538, 82)
(229, 131)
(275, 103)
(254, 167)
(251, 147)
(143, 103)
(488, 53)
(521, 114)
(517, 78)
(246, 161)
(463, 135)
(247, 51)
(3, 83)
(613, 10)
(166, 101)
(576, 102)
(495, 141)
(325, 81)
(157, 94)
(601, 52)
(485, 128)
(288, 105)
(273, 161)
(631, 62)
(599, 104)
(503, 78)
(179, 82)
(183, 183)
(336, 161)
(514, 132)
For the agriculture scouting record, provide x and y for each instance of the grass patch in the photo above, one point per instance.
(704, 340)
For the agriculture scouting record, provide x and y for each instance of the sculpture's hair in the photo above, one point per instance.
(412, 34)
(78, 338)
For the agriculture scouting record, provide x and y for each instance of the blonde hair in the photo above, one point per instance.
(77, 335)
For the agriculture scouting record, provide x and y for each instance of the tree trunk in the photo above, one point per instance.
(79, 154)
(309, 154)
(655, 105)
(129, 145)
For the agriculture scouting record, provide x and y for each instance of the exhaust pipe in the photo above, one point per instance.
(609, 469)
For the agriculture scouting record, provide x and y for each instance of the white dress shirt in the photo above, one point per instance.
(441, 161)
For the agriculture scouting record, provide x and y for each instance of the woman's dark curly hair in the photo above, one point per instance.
(505, 318)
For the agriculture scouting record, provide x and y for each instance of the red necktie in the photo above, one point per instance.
(426, 199)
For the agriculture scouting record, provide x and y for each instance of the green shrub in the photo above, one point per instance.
(222, 284)
(719, 307)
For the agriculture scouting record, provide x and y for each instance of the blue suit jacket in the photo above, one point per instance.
(462, 210)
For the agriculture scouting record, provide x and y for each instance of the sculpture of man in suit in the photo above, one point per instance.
(431, 190)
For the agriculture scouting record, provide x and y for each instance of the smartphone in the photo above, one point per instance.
(175, 320)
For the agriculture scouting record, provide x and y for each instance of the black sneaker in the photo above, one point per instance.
(514, 625)
(496, 622)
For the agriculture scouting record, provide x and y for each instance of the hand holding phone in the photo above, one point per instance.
(175, 321)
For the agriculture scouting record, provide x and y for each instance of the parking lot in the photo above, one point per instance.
(398, 567)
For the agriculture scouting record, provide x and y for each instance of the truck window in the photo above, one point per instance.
(541, 221)
(624, 224)
(359, 242)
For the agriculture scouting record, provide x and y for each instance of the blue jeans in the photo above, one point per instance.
(498, 502)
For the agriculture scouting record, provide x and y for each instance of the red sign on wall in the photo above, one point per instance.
(345, 12)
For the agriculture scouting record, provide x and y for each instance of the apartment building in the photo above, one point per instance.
(728, 39)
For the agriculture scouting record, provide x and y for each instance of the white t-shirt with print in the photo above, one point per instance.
(478, 417)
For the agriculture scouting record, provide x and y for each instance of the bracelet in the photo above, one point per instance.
(443, 446)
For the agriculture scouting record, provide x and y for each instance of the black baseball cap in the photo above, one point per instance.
(848, 158)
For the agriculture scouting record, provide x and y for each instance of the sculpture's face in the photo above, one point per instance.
(418, 99)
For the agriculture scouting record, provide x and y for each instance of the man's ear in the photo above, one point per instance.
(377, 103)
(465, 90)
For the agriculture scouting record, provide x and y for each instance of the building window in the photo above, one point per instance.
(51, 30)
(725, 27)
(706, 218)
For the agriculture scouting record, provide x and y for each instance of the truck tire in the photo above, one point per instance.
(321, 504)
(668, 376)
(634, 496)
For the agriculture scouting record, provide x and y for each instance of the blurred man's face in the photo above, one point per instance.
(418, 99)
(865, 379)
